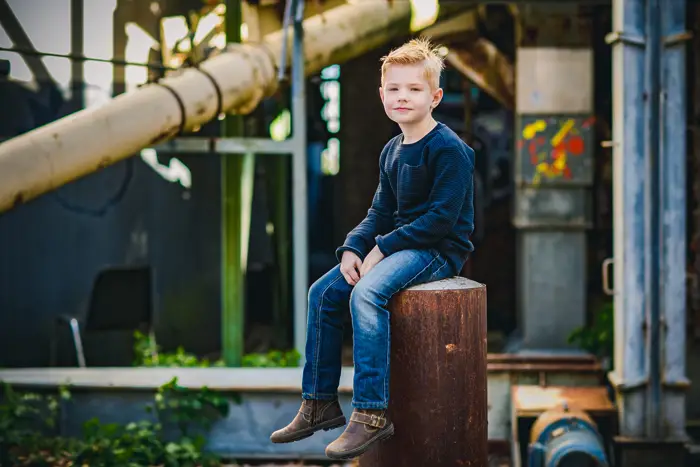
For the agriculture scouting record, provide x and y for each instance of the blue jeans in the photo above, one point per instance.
(368, 300)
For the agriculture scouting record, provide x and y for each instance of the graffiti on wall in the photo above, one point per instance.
(555, 148)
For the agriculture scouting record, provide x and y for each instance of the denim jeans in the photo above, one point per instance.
(330, 296)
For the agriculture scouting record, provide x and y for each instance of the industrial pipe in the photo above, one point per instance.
(564, 438)
(235, 82)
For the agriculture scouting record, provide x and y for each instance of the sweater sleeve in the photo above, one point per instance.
(379, 220)
(453, 175)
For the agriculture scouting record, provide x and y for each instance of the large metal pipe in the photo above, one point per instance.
(236, 81)
(673, 154)
(652, 249)
(629, 373)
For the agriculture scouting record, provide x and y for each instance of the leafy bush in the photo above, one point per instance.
(599, 337)
(149, 354)
(28, 436)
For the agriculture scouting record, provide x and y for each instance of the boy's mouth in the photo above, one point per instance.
(402, 109)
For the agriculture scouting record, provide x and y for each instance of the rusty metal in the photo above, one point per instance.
(543, 363)
(438, 378)
(534, 400)
(475, 57)
(485, 65)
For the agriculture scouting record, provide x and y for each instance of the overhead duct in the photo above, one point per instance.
(234, 82)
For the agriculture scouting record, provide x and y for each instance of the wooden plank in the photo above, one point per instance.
(533, 400)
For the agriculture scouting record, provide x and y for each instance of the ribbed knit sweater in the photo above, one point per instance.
(424, 199)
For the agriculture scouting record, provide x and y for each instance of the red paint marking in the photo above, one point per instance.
(575, 145)
(588, 122)
(532, 148)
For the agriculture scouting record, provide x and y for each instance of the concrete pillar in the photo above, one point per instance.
(553, 171)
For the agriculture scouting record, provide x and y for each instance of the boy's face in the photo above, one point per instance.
(407, 95)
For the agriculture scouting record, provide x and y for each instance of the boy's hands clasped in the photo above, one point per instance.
(372, 259)
(350, 265)
(353, 268)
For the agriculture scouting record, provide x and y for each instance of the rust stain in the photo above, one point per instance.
(439, 402)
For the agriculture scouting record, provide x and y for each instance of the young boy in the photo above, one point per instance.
(416, 230)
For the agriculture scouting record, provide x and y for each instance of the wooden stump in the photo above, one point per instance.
(438, 378)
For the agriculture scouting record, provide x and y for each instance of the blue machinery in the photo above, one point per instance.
(566, 438)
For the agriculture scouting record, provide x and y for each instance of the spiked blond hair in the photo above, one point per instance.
(417, 51)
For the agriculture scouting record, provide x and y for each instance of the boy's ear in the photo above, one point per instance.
(381, 93)
(437, 97)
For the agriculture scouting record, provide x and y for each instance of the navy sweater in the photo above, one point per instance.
(424, 199)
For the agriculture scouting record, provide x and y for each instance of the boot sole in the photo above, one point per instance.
(308, 432)
(386, 433)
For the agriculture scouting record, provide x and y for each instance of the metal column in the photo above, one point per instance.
(649, 151)
(554, 170)
(673, 153)
(299, 182)
(629, 374)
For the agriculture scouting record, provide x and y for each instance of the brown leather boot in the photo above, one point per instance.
(314, 415)
(366, 427)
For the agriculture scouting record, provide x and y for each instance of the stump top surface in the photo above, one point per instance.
(453, 283)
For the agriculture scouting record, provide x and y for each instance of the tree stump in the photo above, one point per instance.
(438, 378)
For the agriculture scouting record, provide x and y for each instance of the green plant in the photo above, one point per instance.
(272, 359)
(27, 428)
(187, 408)
(28, 436)
(598, 338)
(149, 354)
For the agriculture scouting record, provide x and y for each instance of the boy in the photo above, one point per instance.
(416, 230)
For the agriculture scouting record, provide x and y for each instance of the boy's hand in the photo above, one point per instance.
(350, 265)
(374, 257)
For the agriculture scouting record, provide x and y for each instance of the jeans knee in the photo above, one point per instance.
(315, 292)
(328, 289)
(365, 303)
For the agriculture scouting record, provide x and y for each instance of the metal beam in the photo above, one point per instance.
(299, 182)
(673, 152)
(651, 213)
(649, 154)
(228, 145)
(237, 176)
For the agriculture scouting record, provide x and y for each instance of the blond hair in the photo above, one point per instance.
(417, 51)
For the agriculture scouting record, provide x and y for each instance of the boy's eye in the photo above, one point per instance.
(415, 89)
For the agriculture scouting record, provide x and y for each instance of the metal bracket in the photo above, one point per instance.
(607, 262)
(626, 385)
(288, 5)
(616, 37)
(675, 39)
